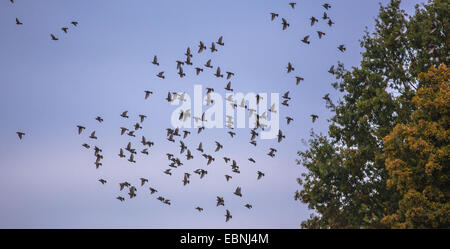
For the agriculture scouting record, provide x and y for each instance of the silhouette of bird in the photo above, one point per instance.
(93, 135)
(227, 177)
(289, 119)
(320, 34)
(342, 48)
(260, 174)
(218, 75)
(213, 47)
(285, 23)
(218, 146)
(199, 209)
(147, 93)
(20, 134)
(120, 198)
(229, 75)
(220, 201)
(326, 6)
(142, 117)
(143, 181)
(331, 70)
(80, 129)
(280, 136)
(99, 119)
(198, 70)
(181, 73)
(292, 5)
(330, 23)
(228, 87)
(228, 216)
(208, 64)
(201, 47)
(121, 153)
(290, 68)
(131, 159)
(238, 192)
(124, 114)
(248, 206)
(74, 23)
(65, 29)
(273, 15)
(298, 79)
(18, 22)
(220, 41)
(252, 160)
(314, 117)
(54, 38)
(272, 152)
(313, 20)
(305, 39)
(161, 75)
(152, 190)
(102, 181)
(188, 52)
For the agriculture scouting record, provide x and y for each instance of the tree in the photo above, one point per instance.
(346, 179)
(417, 157)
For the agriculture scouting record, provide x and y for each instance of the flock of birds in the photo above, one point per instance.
(131, 151)
(65, 29)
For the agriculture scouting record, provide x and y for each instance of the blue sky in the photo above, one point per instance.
(102, 67)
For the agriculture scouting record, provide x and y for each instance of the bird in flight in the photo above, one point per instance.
(285, 23)
(260, 174)
(220, 201)
(305, 40)
(330, 23)
(290, 68)
(20, 134)
(228, 216)
(248, 206)
(220, 41)
(213, 47)
(143, 181)
(320, 34)
(155, 60)
(314, 117)
(289, 119)
(326, 6)
(102, 181)
(93, 135)
(238, 192)
(201, 47)
(199, 209)
(292, 5)
(152, 190)
(299, 79)
(161, 75)
(313, 20)
(65, 29)
(273, 15)
(280, 136)
(218, 75)
(208, 64)
(147, 94)
(18, 22)
(74, 23)
(54, 38)
(80, 129)
(342, 48)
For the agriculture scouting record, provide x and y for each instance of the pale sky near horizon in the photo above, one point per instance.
(102, 67)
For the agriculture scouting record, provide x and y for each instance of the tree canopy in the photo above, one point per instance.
(352, 176)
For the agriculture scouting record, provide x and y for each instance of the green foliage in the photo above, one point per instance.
(346, 179)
